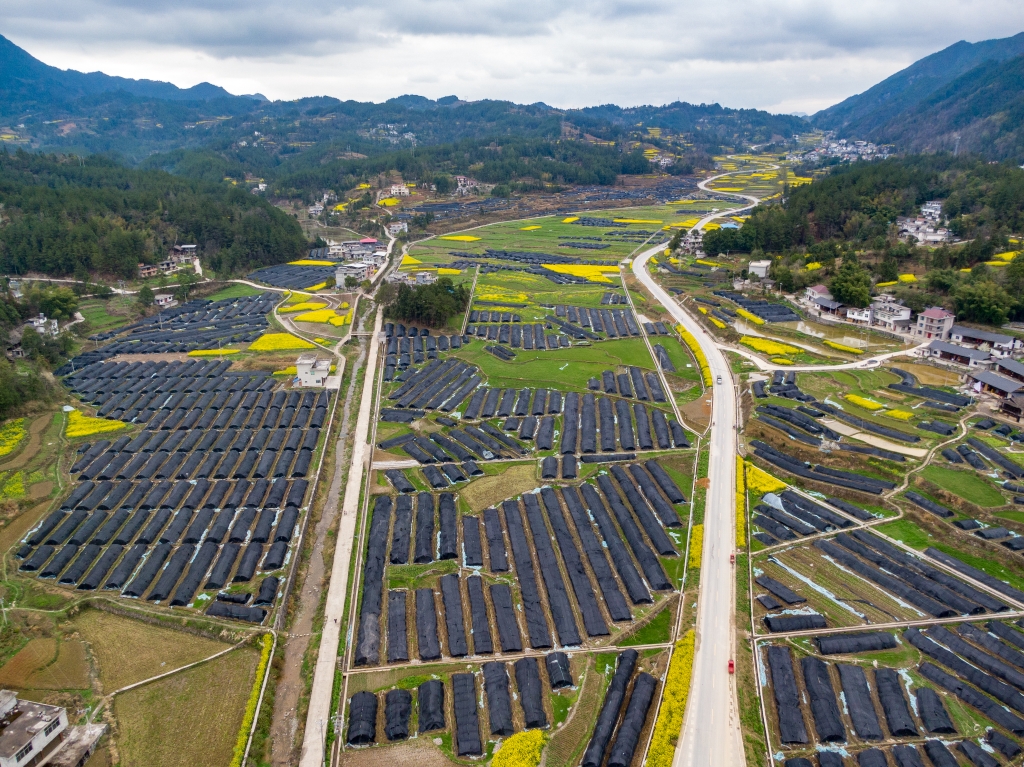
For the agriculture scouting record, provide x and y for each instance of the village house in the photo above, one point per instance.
(182, 254)
(358, 269)
(148, 270)
(993, 383)
(164, 300)
(961, 355)
(759, 269)
(30, 732)
(311, 370)
(934, 323)
(815, 292)
(999, 344)
(395, 228)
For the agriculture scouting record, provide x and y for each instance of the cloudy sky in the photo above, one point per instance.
(780, 55)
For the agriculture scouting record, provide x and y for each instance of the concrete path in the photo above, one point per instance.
(319, 714)
(711, 730)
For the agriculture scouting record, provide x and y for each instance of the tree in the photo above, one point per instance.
(55, 303)
(351, 282)
(186, 282)
(888, 271)
(146, 296)
(851, 285)
(983, 302)
(1014, 278)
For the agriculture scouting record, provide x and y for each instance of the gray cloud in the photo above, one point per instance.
(782, 55)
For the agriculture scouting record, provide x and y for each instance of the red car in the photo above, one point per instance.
(732, 667)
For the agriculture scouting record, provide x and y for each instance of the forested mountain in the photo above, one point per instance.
(968, 97)
(65, 216)
(48, 109)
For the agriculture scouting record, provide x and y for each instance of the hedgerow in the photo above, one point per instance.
(697, 352)
(254, 698)
(762, 482)
(741, 504)
(749, 316)
(696, 546)
(767, 345)
(843, 348)
(673, 704)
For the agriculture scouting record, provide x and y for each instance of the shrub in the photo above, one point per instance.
(696, 546)
(863, 402)
(702, 310)
(520, 750)
(85, 426)
(11, 434)
(907, 278)
(673, 704)
(762, 482)
(275, 342)
(781, 361)
(813, 266)
(885, 284)
(767, 345)
(843, 348)
(717, 323)
(749, 316)
(254, 698)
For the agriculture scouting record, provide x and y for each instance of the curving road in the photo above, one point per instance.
(711, 729)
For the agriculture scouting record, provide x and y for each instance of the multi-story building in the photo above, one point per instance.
(29, 732)
(935, 322)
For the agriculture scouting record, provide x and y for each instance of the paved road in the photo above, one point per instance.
(711, 731)
(327, 660)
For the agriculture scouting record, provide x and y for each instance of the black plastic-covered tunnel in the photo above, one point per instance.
(467, 723)
(505, 618)
(633, 721)
(223, 566)
(99, 571)
(857, 695)
(536, 622)
(481, 628)
(495, 541)
(362, 719)
(499, 701)
(398, 638)
(645, 556)
(426, 625)
(558, 596)
(86, 556)
(787, 696)
(448, 540)
(593, 621)
(662, 543)
(193, 577)
(471, 548)
(451, 596)
(531, 697)
(397, 708)
(367, 649)
(635, 586)
(894, 704)
(610, 708)
(836, 644)
(570, 423)
(643, 427)
(125, 567)
(400, 535)
(430, 697)
(650, 491)
(171, 573)
(665, 482)
(424, 549)
(824, 709)
(559, 672)
(247, 565)
(614, 601)
(933, 714)
(274, 560)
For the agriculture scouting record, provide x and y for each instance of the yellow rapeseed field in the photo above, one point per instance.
(311, 262)
(304, 306)
(762, 482)
(767, 345)
(80, 425)
(460, 237)
(749, 316)
(863, 402)
(275, 342)
(843, 347)
(673, 704)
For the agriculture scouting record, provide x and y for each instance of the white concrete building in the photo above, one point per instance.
(759, 268)
(816, 292)
(29, 732)
(164, 300)
(395, 228)
(361, 270)
(935, 322)
(43, 326)
(399, 190)
(311, 370)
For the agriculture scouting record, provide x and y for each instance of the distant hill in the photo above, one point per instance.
(970, 91)
(27, 83)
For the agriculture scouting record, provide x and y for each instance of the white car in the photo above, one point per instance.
(719, 380)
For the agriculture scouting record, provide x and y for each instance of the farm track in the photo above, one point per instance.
(289, 687)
